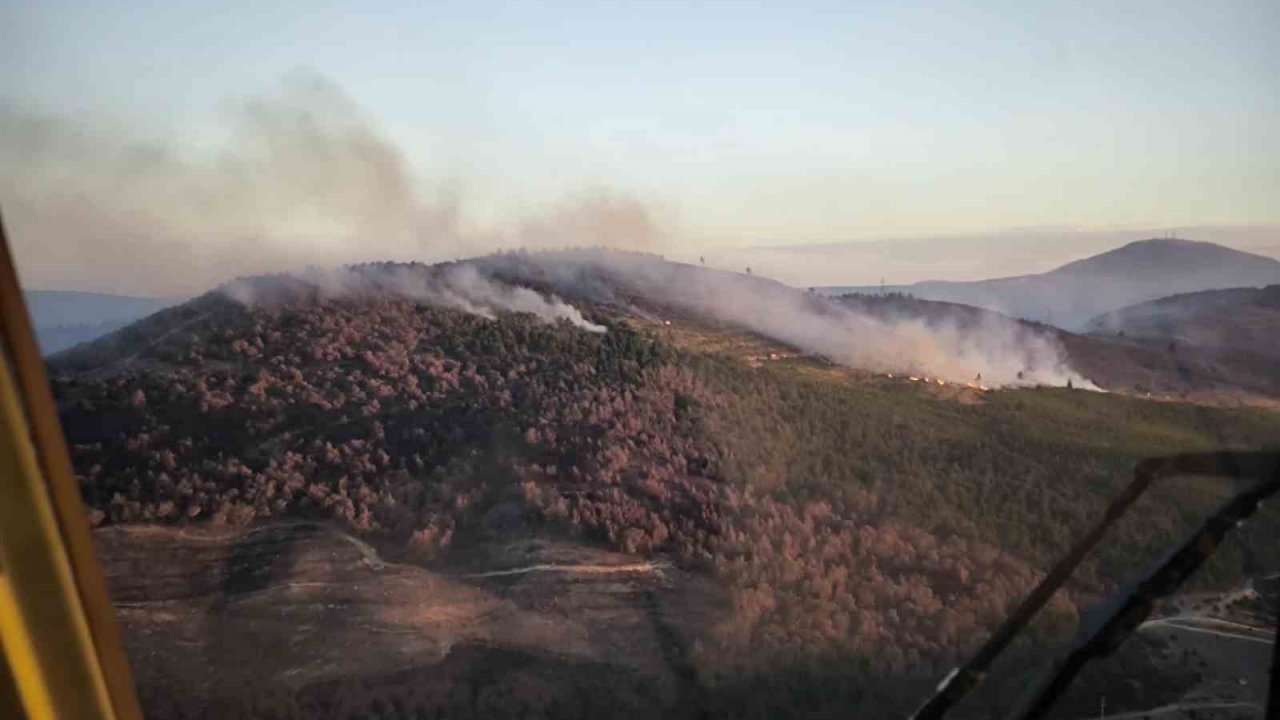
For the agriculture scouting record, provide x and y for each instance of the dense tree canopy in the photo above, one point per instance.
(867, 524)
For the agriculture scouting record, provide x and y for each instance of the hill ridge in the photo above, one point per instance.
(1072, 294)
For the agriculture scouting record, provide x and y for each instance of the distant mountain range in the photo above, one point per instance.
(63, 319)
(1073, 294)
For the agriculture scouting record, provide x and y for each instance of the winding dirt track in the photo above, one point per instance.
(1190, 707)
(1228, 629)
(133, 358)
(655, 568)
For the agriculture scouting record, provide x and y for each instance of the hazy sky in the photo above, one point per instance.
(733, 124)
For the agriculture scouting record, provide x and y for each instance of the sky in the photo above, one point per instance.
(143, 141)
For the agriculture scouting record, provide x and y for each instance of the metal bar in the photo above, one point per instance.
(40, 468)
(958, 684)
(1169, 574)
(1273, 690)
(962, 680)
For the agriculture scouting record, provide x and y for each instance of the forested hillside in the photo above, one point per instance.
(1238, 321)
(860, 530)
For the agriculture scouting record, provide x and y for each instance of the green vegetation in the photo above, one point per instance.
(1025, 470)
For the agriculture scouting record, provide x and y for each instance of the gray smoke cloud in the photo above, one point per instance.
(1003, 351)
(303, 178)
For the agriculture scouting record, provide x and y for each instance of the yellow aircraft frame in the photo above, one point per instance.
(62, 657)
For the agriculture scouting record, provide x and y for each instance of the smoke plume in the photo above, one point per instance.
(461, 286)
(1002, 350)
(303, 178)
(306, 179)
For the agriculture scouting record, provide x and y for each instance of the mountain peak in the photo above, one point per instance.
(1167, 242)
(1071, 295)
(1169, 255)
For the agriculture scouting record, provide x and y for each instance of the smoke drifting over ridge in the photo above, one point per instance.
(303, 179)
(1005, 353)
(1002, 350)
(461, 286)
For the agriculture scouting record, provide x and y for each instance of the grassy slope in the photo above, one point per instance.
(1025, 470)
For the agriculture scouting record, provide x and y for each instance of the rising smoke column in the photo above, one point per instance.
(303, 176)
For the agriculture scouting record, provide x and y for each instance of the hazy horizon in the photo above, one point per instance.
(166, 149)
(896, 261)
